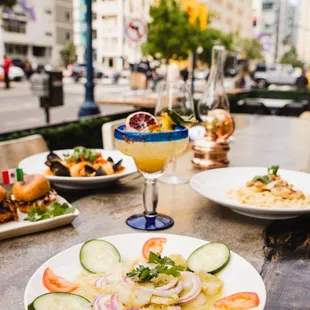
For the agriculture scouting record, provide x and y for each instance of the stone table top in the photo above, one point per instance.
(258, 141)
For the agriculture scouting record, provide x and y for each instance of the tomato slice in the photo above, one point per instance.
(244, 300)
(154, 245)
(55, 283)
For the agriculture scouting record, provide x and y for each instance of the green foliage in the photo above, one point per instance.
(210, 37)
(8, 3)
(291, 58)
(251, 47)
(170, 34)
(68, 54)
(86, 132)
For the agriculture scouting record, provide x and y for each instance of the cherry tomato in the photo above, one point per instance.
(55, 283)
(244, 300)
(154, 245)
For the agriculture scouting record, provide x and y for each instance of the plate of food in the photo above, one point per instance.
(146, 271)
(267, 193)
(33, 206)
(80, 167)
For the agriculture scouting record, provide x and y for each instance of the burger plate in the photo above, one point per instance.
(22, 227)
(36, 165)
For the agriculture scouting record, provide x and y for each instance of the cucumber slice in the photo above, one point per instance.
(68, 301)
(211, 258)
(97, 256)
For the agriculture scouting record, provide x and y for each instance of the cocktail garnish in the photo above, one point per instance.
(176, 119)
(140, 121)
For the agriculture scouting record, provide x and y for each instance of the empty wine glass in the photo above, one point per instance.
(174, 96)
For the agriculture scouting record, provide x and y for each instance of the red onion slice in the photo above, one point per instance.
(167, 286)
(116, 304)
(100, 302)
(173, 291)
(196, 288)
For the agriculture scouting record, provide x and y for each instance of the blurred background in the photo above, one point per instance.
(138, 43)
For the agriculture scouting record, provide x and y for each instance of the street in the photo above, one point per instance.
(20, 109)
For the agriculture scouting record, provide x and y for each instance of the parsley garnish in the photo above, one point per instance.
(165, 265)
(80, 152)
(273, 170)
(264, 179)
(55, 209)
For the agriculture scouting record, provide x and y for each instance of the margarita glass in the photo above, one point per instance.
(151, 152)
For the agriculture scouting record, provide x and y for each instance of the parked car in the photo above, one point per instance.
(15, 74)
(79, 71)
(277, 74)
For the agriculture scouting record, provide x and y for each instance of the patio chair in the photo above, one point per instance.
(252, 106)
(108, 133)
(13, 151)
(293, 109)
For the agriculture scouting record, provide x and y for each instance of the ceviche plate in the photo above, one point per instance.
(36, 165)
(216, 184)
(238, 275)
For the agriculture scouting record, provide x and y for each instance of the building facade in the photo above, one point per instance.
(302, 27)
(276, 27)
(36, 30)
(110, 47)
(231, 15)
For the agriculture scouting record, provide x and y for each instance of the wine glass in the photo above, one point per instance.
(174, 96)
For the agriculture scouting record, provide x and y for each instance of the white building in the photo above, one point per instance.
(275, 27)
(109, 18)
(302, 27)
(232, 15)
(36, 30)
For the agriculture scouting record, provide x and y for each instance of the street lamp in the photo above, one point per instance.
(89, 107)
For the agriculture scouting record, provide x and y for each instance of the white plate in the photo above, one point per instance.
(214, 185)
(21, 227)
(238, 276)
(36, 165)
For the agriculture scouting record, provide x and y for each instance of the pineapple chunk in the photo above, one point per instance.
(166, 122)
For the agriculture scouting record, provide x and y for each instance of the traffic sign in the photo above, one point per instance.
(136, 30)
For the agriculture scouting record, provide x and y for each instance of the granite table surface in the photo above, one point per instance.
(279, 250)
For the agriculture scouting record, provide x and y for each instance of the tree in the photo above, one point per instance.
(8, 3)
(210, 37)
(68, 53)
(291, 58)
(251, 47)
(170, 34)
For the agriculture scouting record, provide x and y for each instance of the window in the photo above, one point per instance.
(94, 16)
(94, 34)
(111, 62)
(48, 34)
(16, 49)
(68, 16)
(49, 12)
(68, 36)
(267, 6)
(12, 25)
(39, 51)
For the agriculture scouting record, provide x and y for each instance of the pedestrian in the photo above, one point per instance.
(6, 68)
(184, 73)
(244, 79)
(302, 81)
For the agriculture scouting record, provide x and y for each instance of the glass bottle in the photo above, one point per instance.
(213, 108)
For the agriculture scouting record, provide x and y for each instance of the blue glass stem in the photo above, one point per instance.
(150, 197)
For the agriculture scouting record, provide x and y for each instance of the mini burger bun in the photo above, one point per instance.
(32, 188)
(2, 193)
